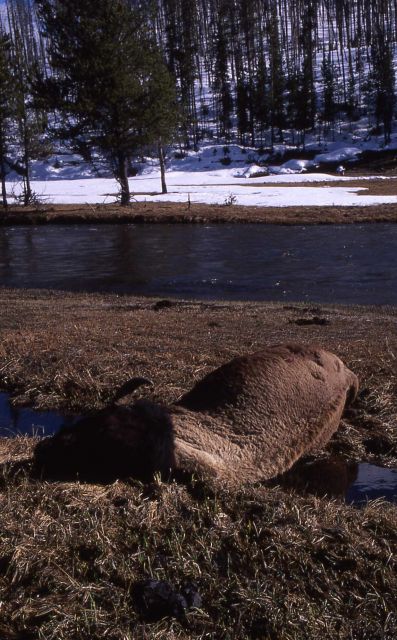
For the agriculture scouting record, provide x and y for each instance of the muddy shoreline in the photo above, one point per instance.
(181, 213)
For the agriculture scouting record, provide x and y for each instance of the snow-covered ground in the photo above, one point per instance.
(213, 187)
(203, 177)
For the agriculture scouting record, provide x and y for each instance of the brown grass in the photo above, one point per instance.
(72, 351)
(367, 187)
(268, 563)
(167, 212)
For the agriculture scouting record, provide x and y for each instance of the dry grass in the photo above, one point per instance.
(367, 187)
(268, 563)
(72, 351)
(167, 212)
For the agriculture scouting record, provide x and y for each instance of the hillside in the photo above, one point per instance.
(307, 80)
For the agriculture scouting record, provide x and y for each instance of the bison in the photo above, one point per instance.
(248, 420)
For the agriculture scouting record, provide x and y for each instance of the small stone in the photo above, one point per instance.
(159, 599)
(163, 304)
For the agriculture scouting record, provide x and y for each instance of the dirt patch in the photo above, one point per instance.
(267, 563)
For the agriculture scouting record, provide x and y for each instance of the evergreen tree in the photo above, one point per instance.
(160, 117)
(104, 64)
(242, 108)
(261, 98)
(181, 34)
(277, 83)
(329, 93)
(306, 108)
(222, 80)
(384, 84)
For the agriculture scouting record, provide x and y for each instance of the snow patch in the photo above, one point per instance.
(212, 187)
(343, 154)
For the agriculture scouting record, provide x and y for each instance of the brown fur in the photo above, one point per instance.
(248, 420)
(252, 418)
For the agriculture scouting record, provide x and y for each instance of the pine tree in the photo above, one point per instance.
(329, 93)
(384, 84)
(242, 108)
(306, 95)
(181, 34)
(104, 62)
(221, 79)
(160, 117)
(277, 83)
(261, 98)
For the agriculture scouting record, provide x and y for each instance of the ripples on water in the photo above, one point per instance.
(330, 264)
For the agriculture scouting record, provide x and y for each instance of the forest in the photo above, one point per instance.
(255, 72)
(256, 68)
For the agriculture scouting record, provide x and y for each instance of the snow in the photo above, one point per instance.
(213, 187)
(293, 166)
(210, 175)
(338, 155)
(251, 171)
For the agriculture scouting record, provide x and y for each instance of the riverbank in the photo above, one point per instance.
(267, 562)
(173, 213)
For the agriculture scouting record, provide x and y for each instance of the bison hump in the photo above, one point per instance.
(274, 370)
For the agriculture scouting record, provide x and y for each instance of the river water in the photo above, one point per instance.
(352, 264)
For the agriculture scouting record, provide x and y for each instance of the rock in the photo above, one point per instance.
(309, 321)
(164, 304)
(158, 599)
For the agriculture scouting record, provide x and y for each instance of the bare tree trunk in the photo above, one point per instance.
(122, 178)
(162, 166)
(3, 172)
(27, 190)
(3, 186)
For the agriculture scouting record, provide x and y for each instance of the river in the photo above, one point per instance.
(352, 264)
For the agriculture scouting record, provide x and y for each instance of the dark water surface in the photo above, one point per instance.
(355, 264)
(24, 421)
(337, 478)
(373, 482)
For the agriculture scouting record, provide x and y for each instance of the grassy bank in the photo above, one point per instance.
(267, 562)
(167, 212)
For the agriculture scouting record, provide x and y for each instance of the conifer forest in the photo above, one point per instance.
(255, 72)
